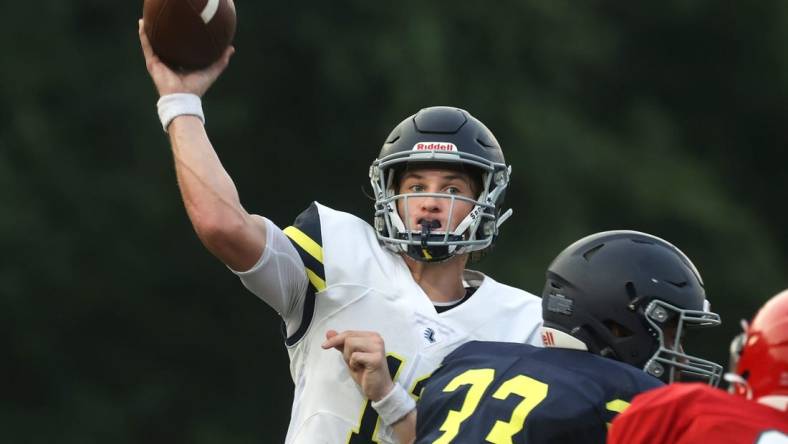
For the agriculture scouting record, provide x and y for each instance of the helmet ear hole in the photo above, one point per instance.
(617, 329)
(631, 292)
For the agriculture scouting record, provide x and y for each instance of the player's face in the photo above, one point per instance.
(417, 210)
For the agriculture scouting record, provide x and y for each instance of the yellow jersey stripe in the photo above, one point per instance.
(313, 248)
(617, 405)
(318, 283)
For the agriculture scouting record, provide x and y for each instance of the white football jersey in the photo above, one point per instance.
(356, 284)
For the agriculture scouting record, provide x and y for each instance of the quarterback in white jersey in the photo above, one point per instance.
(439, 183)
(355, 284)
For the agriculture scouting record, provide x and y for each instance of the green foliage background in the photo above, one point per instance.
(116, 326)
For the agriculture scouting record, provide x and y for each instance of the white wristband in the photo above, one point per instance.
(394, 406)
(171, 106)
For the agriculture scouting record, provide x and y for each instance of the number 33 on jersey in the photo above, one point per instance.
(516, 393)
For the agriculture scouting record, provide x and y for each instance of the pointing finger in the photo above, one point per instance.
(334, 340)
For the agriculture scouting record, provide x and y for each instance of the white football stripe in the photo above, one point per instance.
(209, 11)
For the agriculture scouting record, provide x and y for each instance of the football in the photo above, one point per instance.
(189, 34)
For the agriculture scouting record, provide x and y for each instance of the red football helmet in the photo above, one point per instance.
(761, 369)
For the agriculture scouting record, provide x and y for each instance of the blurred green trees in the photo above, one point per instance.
(116, 326)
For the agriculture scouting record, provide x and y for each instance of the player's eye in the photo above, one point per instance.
(417, 188)
(452, 190)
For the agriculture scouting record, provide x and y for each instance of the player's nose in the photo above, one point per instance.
(431, 204)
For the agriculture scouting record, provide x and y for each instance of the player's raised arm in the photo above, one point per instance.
(209, 194)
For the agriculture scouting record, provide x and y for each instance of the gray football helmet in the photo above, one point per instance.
(440, 137)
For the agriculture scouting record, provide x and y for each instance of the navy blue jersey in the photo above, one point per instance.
(515, 393)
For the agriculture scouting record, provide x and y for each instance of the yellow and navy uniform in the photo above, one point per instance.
(516, 393)
(353, 283)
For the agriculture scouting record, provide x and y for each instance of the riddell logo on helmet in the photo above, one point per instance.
(434, 146)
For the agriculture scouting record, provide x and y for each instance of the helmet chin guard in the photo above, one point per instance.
(440, 137)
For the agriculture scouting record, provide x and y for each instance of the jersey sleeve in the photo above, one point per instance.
(290, 271)
(306, 237)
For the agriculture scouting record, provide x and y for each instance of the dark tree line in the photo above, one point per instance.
(116, 326)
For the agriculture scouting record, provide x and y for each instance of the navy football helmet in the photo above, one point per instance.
(630, 296)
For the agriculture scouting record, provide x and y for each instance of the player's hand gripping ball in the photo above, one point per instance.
(189, 34)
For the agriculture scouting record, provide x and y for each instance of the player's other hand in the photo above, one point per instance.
(364, 353)
(168, 81)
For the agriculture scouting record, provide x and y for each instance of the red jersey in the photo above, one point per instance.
(697, 413)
